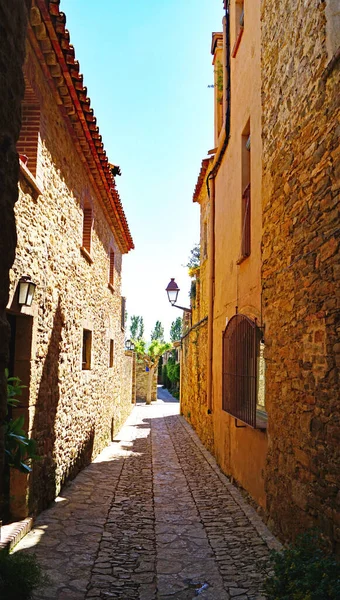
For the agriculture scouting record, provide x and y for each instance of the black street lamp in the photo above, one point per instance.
(129, 345)
(172, 290)
(26, 291)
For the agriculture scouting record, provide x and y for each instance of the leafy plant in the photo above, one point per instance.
(20, 575)
(306, 570)
(158, 332)
(176, 329)
(151, 356)
(194, 260)
(19, 448)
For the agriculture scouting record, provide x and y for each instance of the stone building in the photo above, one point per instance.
(273, 261)
(193, 393)
(68, 346)
(300, 262)
(13, 19)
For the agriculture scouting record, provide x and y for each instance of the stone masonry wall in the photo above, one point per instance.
(300, 274)
(142, 382)
(72, 412)
(194, 384)
(13, 22)
(129, 380)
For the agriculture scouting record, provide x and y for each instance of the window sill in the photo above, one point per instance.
(30, 179)
(242, 259)
(237, 43)
(86, 255)
(111, 288)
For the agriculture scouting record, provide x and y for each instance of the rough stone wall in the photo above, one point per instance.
(300, 273)
(13, 22)
(72, 412)
(129, 380)
(194, 384)
(194, 353)
(142, 382)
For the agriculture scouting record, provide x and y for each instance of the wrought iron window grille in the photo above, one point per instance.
(240, 364)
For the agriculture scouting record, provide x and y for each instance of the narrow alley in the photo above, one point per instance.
(151, 517)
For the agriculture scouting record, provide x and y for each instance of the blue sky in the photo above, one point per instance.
(147, 67)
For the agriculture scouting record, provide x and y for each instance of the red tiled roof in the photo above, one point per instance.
(51, 42)
(201, 178)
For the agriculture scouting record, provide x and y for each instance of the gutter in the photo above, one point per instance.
(211, 193)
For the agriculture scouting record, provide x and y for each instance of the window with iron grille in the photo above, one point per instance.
(243, 371)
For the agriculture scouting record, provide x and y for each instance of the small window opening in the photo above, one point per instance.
(112, 268)
(123, 313)
(246, 195)
(87, 229)
(111, 353)
(28, 142)
(86, 349)
(239, 25)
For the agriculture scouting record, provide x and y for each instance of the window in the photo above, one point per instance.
(87, 231)
(243, 371)
(28, 143)
(86, 349)
(246, 195)
(205, 240)
(112, 268)
(122, 314)
(239, 25)
(111, 353)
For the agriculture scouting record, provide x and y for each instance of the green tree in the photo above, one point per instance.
(140, 334)
(176, 329)
(151, 356)
(158, 332)
(137, 327)
(134, 326)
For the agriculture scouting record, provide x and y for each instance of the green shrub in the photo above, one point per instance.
(20, 574)
(306, 570)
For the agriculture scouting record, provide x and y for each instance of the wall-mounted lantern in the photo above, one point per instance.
(172, 290)
(129, 345)
(26, 290)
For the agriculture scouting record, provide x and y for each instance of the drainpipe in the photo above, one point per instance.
(211, 193)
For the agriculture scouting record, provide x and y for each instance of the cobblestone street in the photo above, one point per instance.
(153, 517)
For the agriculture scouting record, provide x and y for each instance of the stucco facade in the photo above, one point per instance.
(241, 451)
(68, 347)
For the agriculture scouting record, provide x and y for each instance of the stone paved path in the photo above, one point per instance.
(152, 518)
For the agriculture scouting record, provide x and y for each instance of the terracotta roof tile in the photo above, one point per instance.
(47, 31)
(201, 178)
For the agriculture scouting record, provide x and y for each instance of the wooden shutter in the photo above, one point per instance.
(112, 268)
(87, 229)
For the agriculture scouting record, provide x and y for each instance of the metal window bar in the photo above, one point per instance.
(240, 352)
